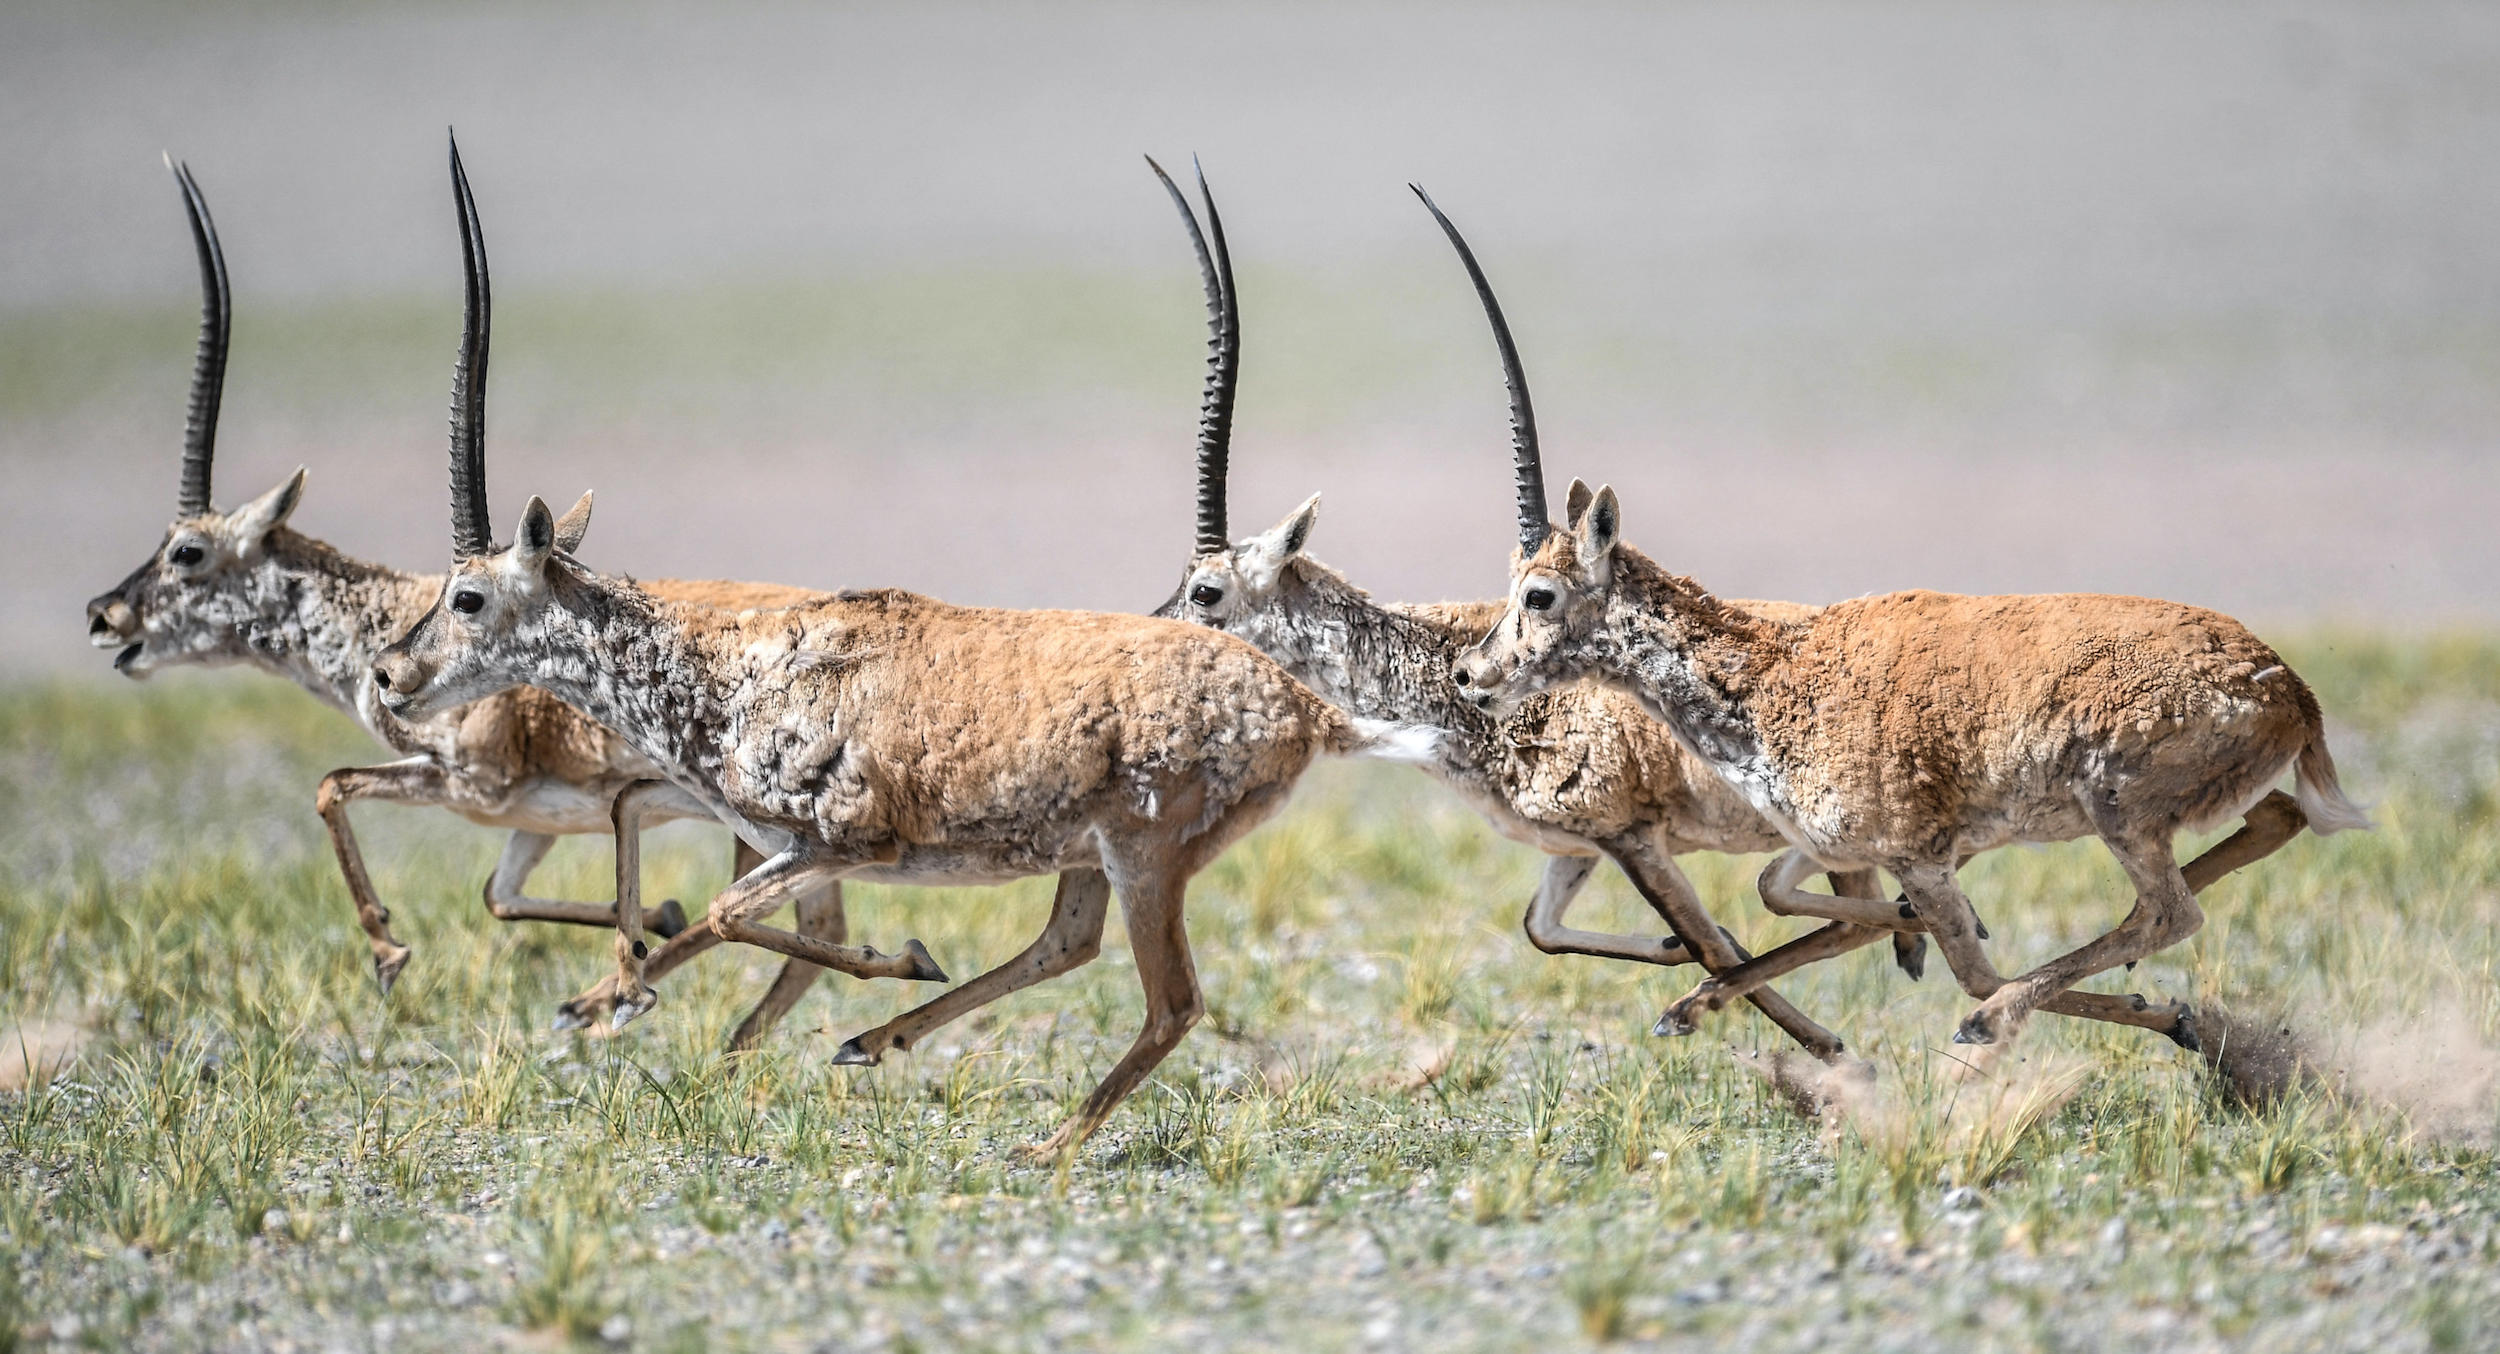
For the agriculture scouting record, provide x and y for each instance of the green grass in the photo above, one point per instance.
(1399, 1126)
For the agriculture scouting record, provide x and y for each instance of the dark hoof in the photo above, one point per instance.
(1909, 954)
(853, 1054)
(1980, 922)
(2183, 1032)
(386, 968)
(667, 922)
(571, 1016)
(1975, 1030)
(1672, 1024)
(627, 1011)
(923, 968)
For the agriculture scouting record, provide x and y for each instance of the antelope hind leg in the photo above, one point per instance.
(2164, 914)
(821, 918)
(1069, 940)
(1150, 902)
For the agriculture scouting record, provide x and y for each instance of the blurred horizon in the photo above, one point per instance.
(2198, 300)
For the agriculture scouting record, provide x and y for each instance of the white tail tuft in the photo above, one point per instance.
(2322, 800)
(1389, 741)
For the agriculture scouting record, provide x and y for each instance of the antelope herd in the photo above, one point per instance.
(1605, 708)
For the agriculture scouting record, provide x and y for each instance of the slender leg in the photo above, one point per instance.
(1780, 886)
(633, 998)
(736, 918)
(417, 780)
(2164, 914)
(506, 899)
(1150, 902)
(820, 917)
(1070, 940)
(1665, 888)
(1933, 890)
(758, 893)
(1745, 979)
(2274, 820)
(1564, 875)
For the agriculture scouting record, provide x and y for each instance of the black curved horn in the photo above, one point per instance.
(1527, 465)
(208, 368)
(471, 532)
(1215, 411)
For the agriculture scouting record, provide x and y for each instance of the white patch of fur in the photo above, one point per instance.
(1389, 741)
(2328, 811)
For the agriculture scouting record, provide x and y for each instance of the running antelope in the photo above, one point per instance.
(886, 736)
(1911, 730)
(1580, 773)
(240, 587)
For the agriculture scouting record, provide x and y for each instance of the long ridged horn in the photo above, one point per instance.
(1215, 410)
(471, 532)
(208, 367)
(1527, 465)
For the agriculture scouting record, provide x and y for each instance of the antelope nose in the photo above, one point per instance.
(397, 673)
(108, 618)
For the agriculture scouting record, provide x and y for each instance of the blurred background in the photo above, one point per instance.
(2200, 300)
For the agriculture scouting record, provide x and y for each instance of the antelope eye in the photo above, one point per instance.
(187, 554)
(1538, 599)
(468, 603)
(1206, 594)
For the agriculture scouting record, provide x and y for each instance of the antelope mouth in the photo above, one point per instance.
(128, 656)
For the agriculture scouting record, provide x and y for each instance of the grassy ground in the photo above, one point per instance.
(1400, 1127)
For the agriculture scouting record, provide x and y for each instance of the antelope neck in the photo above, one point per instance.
(1695, 663)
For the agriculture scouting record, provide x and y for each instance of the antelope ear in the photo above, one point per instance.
(1576, 501)
(1288, 537)
(256, 519)
(573, 525)
(536, 538)
(1601, 526)
(1269, 550)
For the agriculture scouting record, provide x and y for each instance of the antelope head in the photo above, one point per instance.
(1559, 578)
(487, 626)
(206, 591)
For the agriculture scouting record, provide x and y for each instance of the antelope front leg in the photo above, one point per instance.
(633, 998)
(418, 780)
(1783, 894)
(755, 894)
(1666, 889)
(507, 898)
(1858, 895)
(1564, 876)
(1071, 939)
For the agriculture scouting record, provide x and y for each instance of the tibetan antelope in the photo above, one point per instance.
(1579, 773)
(886, 736)
(1909, 731)
(240, 587)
